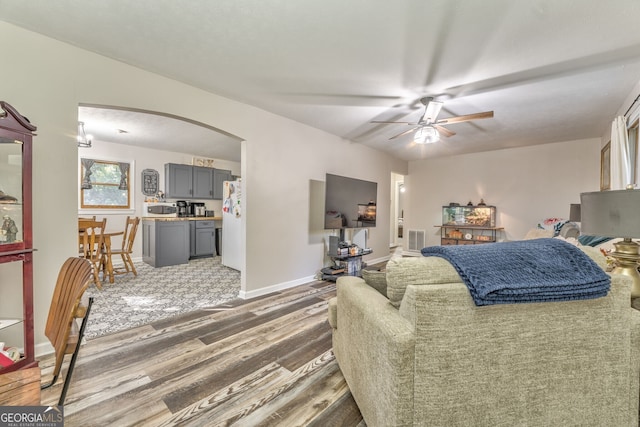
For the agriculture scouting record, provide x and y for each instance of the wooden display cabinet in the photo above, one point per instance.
(468, 225)
(16, 244)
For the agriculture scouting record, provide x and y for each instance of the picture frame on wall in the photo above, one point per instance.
(605, 167)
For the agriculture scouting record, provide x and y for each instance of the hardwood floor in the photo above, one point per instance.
(261, 362)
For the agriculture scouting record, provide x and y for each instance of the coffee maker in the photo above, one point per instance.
(183, 208)
(197, 209)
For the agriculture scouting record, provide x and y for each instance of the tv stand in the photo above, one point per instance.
(350, 265)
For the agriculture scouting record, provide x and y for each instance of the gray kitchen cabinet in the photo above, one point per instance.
(165, 242)
(202, 182)
(194, 182)
(220, 176)
(203, 241)
(178, 181)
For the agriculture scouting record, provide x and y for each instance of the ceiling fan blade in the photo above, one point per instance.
(403, 133)
(466, 118)
(444, 131)
(386, 122)
(431, 111)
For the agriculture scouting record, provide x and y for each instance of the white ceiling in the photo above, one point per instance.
(550, 70)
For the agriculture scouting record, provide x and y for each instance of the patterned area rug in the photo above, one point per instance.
(158, 293)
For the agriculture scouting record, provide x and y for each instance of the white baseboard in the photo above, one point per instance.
(275, 288)
(43, 349)
(294, 283)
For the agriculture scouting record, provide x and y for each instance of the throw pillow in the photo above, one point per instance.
(376, 279)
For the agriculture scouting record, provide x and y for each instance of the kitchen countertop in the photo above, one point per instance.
(188, 218)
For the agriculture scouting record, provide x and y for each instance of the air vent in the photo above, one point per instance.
(416, 240)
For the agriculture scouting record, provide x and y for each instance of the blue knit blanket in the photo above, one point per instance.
(525, 271)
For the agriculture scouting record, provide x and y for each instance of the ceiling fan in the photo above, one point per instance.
(429, 128)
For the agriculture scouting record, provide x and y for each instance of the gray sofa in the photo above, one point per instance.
(426, 355)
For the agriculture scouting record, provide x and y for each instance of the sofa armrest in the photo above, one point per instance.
(374, 347)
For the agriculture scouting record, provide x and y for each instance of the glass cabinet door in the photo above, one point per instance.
(11, 197)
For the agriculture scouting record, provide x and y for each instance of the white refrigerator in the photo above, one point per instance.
(232, 246)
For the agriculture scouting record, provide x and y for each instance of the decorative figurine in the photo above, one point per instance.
(10, 229)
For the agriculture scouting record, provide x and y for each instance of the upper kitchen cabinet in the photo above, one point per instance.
(178, 181)
(219, 177)
(194, 182)
(202, 182)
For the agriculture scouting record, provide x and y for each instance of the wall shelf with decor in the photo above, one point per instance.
(468, 225)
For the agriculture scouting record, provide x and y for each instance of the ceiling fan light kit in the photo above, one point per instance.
(426, 135)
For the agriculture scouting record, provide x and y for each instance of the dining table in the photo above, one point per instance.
(106, 251)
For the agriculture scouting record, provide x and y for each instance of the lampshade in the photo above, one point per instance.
(610, 213)
(426, 135)
(574, 212)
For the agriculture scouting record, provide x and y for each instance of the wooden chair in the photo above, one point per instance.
(82, 225)
(130, 230)
(92, 246)
(62, 328)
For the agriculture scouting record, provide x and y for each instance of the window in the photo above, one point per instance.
(104, 185)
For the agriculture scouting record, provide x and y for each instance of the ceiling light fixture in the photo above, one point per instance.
(426, 135)
(84, 140)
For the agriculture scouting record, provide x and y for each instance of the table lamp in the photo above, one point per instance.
(574, 212)
(615, 214)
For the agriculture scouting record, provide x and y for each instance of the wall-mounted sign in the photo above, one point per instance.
(202, 161)
(150, 179)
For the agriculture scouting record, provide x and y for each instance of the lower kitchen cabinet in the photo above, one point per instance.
(165, 242)
(203, 240)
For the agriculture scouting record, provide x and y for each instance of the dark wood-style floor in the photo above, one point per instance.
(261, 362)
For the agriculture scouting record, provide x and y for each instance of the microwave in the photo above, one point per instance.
(160, 209)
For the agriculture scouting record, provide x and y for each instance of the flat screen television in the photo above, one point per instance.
(349, 202)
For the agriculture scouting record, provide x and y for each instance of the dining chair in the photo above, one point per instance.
(82, 225)
(67, 306)
(92, 247)
(128, 237)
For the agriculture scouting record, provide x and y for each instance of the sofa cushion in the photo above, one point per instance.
(596, 255)
(402, 272)
(537, 233)
(376, 279)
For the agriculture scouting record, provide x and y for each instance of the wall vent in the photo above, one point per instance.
(416, 240)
